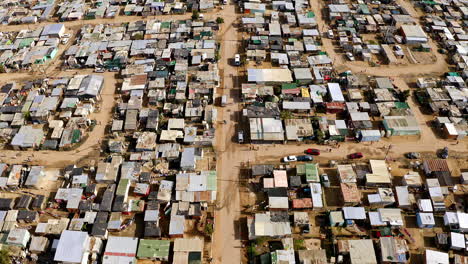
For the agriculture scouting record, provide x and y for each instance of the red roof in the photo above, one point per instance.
(350, 193)
(302, 203)
(291, 91)
(335, 105)
(436, 165)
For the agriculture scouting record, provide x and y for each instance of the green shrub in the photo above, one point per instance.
(195, 15)
(299, 244)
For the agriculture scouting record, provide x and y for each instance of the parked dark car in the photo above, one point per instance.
(240, 137)
(413, 155)
(356, 155)
(444, 153)
(305, 158)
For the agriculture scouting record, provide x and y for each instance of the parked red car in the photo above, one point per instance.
(356, 155)
(315, 152)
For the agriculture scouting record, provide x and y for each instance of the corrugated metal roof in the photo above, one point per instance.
(436, 165)
(312, 172)
(211, 180)
(188, 245)
(350, 193)
(150, 248)
(280, 178)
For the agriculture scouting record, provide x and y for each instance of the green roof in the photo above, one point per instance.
(310, 14)
(274, 257)
(211, 183)
(401, 105)
(3, 238)
(265, 258)
(385, 231)
(287, 86)
(312, 172)
(165, 24)
(300, 169)
(151, 248)
(194, 258)
(122, 187)
(453, 74)
(364, 9)
(25, 42)
(429, 2)
(76, 136)
(206, 33)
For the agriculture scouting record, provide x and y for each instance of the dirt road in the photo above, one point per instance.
(226, 246)
(118, 19)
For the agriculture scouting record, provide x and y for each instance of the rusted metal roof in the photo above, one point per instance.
(436, 165)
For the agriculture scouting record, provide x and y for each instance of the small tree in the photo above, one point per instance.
(299, 244)
(4, 257)
(404, 95)
(195, 15)
(261, 240)
(252, 250)
(209, 229)
(27, 115)
(320, 136)
(219, 20)
(218, 54)
(138, 36)
(286, 114)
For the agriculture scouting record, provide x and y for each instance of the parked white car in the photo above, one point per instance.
(398, 51)
(350, 56)
(289, 159)
(237, 60)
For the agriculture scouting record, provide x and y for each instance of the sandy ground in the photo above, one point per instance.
(118, 19)
(75, 24)
(226, 243)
